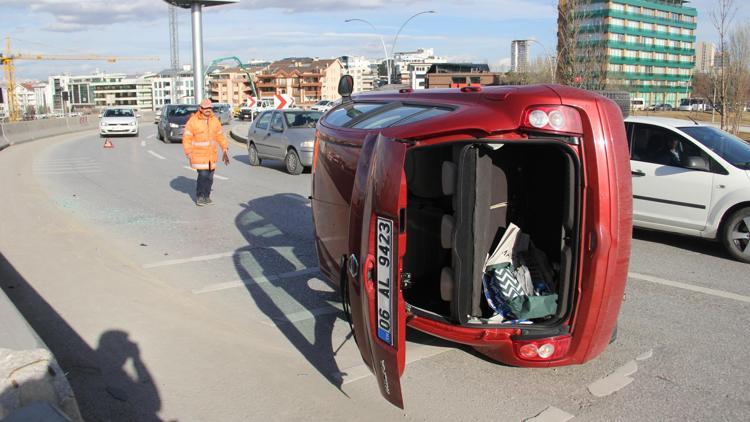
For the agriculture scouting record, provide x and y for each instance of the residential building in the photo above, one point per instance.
(405, 62)
(646, 47)
(519, 56)
(305, 79)
(131, 92)
(56, 85)
(361, 70)
(172, 87)
(418, 75)
(230, 84)
(704, 57)
(4, 107)
(457, 75)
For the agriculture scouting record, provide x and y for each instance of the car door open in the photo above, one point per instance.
(377, 243)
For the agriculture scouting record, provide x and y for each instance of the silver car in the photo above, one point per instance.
(223, 112)
(287, 135)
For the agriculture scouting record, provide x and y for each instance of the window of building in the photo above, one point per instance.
(616, 21)
(647, 26)
(661, 28)
(617, 6)
(648, 40)
(631, 39)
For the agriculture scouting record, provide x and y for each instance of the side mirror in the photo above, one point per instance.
(346, 86)
(697, 163)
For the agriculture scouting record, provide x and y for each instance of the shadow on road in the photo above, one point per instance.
(276, 268)
(185, 185)
(102, 386)
(690, 243)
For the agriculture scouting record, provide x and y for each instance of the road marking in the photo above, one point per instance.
(693, 288)
(615, 381)
(416, 353)
(551, 414)
(287, 252)
(188, 260)
(156, 155)
(60, 172)
(143, 143)
(254, 280)
(150, 136)
(220, 177)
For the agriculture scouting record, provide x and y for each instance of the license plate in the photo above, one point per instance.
(385, 283)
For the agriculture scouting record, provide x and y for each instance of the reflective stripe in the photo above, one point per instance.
(202, 144)
(198, 166)
(187, 132)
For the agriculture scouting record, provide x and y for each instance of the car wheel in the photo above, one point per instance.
(252, 155)
(736, 234)
(293, 166)
(159, 136)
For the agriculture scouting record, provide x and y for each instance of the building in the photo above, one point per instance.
(457, 75)
(408, 65)
(418, 75)
(519, 56)
(361, 70)
(230, 84)
(646, 47)
(172, 87)
(305, 79)
(66, 93)
(704, 57)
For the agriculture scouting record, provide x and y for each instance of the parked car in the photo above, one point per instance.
(412, 190)
(118, 121)
(173, 119)
(322, 106)
(260, 106)
(660, 107)
(691, 178)
(223, 112)
(694, 104)
(283, 135)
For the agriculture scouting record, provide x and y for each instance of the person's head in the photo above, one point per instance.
(205, 107)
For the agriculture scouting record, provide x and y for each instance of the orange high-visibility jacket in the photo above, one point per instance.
(200, 140)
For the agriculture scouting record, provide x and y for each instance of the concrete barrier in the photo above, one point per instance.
(29, 373)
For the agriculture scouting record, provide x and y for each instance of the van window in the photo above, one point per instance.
(398, 116)
(346, 112)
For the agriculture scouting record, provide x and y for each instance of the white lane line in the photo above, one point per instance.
(143, 143)
(254, 280)
(304, 315)
(693, 288)
(188, 260)
(156, 155)
(551, 414)
(58, 172)
(151, 136)
(218, 176)
(416, 353)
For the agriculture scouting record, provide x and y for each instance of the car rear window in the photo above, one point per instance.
(400, 116)
(346, 113)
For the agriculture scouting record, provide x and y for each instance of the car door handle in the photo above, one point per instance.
(638, 173)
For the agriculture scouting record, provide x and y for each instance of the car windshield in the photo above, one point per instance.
(220, 108)
(183, 110)
(302, 118)
(729, 147)
(117, 112)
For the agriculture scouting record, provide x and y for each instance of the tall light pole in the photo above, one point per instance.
(393, 46)
(196, 12)
(385, 51)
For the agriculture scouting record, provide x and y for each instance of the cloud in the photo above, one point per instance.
(297, 6)
(75, 15)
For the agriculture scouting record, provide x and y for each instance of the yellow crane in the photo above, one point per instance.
(8, 59)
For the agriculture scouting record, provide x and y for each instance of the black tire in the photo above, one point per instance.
(735, 235)
(252, 154)
(159, 136)
(291, 161)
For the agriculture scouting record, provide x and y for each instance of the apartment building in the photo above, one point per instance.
(457, 75)
(361, 70)
(171, 87)
(306, 79)
(646, 47)
(409, 67)
(519, 56)
(230, 84)
(704, 57)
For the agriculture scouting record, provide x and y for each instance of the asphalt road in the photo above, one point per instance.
(161, 310)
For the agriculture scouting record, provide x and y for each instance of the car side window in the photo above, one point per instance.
(277, 121)
(347, 112)
(263, 121)
(658, 145)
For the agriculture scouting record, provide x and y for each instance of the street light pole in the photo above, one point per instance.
(385, 51)
(546, 53)
(393, 46)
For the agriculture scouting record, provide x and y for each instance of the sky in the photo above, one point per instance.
(470, 30)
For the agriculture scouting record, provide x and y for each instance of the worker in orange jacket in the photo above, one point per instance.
(202, 134)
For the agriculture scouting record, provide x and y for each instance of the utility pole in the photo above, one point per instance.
(174, 49)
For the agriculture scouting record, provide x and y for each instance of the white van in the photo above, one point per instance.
(637, 104)
(690, 178)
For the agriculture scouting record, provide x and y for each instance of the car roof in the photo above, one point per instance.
(663, 121)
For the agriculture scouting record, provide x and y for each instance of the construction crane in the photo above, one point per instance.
(242, 67)
(8, 58)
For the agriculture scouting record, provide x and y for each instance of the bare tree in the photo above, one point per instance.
(738, 71)
(581, 52)
(722, 17)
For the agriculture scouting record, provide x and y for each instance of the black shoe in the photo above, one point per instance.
(200, 202)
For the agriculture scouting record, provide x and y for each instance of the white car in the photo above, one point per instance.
(322, 106)
(118, 121)
(691, 178)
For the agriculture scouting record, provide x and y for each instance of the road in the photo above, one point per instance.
(161, 310)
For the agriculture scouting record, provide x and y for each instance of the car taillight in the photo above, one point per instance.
(543, 349)
(558, 119)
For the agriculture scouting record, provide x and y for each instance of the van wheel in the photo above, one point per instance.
(252, 155)
(293, 166)
(736, 235)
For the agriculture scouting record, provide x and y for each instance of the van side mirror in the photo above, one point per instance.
(346, 86)
(697, 163)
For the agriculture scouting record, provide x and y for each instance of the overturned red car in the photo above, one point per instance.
(496, 217)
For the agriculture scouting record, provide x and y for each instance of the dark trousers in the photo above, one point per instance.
(205, 180)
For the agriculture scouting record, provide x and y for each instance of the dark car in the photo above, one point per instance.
(661, 107)
(172, 122)
(427, 206)
(246, 113)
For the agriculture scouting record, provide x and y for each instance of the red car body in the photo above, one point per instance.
(368, 201)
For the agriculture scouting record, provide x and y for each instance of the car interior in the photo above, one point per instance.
(462, 198)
